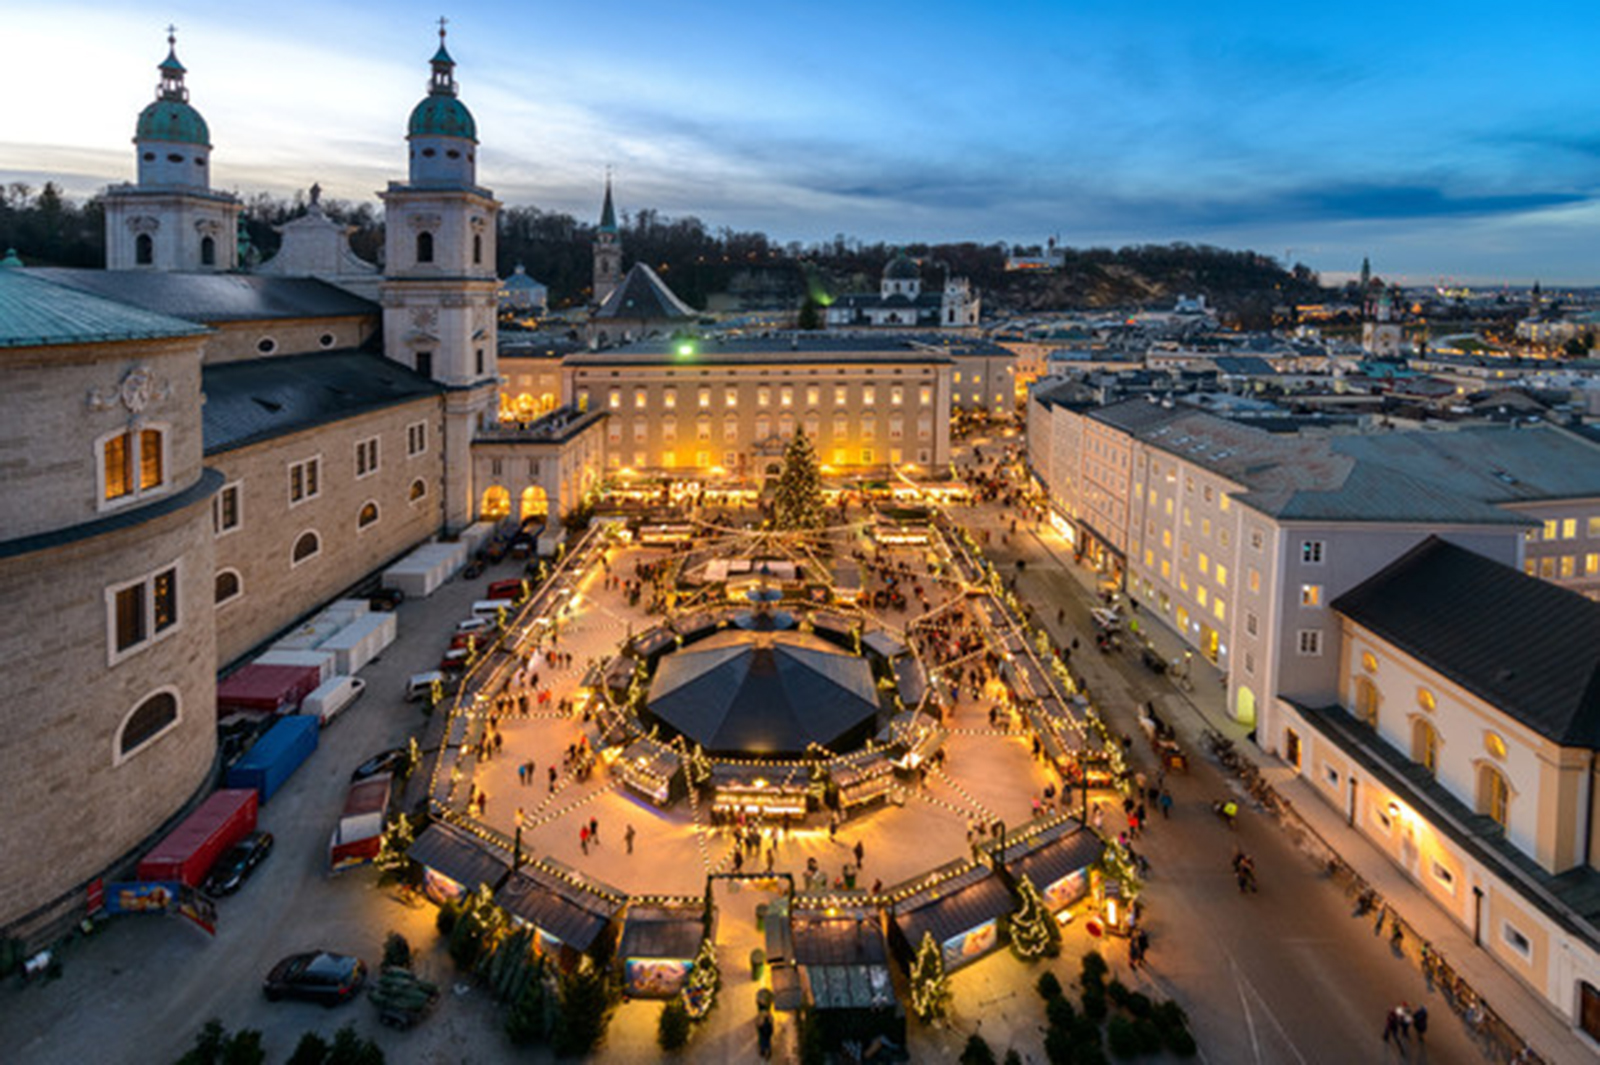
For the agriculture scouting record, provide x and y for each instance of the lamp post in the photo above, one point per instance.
(516, 847)
(1000, 854)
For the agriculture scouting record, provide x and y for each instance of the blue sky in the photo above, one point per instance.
(1445, 141)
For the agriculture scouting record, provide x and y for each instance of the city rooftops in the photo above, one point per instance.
(688, 353)
(36, 312)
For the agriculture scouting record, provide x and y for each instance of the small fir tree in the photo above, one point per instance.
(398, 835)
(704, 978)
(797, 503)
(930, 987)
(1033, 929)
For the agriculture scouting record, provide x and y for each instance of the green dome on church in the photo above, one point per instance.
(439, 115)
(175, 121)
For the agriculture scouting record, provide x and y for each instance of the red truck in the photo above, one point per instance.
(356, 840)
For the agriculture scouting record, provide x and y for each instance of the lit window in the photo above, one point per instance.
(763, 397)
(1494, 795)
(1425, 746)
(1205, 562)
(813, 395)
(1550, 529)
(786, 397)
(925, 397)
(1591, 564)
(640, 398)
(730, 397)
(1369, 662)
(1569, 528)
(142, 611)
(1255, 580)
(419, 488)
(368, 515)
(132, 463)
(1366, 699)
(669, 399)
(1569, 565)
(869, 395)
(614, 401)
(1495, 744)
(1547, 566)
(896, 396)
(840, 395)
(1219, 609)
(705, 399)
(1311, 595)
(1594, 528)
(1222, 575)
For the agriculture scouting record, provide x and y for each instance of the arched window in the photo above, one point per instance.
(1367, 702)
(496, 503)
(1494, 794)
(144, 249)
(306, 547)
(419, 488)
(368, 515)
(477, 248)
(424, 247)
(208, 251)
(229, 586)
(149, 719)
(1425, 745)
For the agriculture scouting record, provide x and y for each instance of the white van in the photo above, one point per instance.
(332, 696)
(491, 608)
(420, 686)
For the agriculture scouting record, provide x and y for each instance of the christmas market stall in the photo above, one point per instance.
(653, 770)
(455, 862)
(962, 912)
(1057, 858)
(758, 789)
(842, 957)
(862, 777)
(659, 946)
(572, 916)
(916, 739)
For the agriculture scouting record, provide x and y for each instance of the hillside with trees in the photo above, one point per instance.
(743, 268)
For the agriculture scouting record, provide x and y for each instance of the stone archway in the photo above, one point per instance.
(535, 503)
(496, 504)
(1244, 711)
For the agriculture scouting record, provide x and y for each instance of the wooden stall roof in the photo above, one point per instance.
(459, 855)
(569, 911)
(662, 932)
(954, 907)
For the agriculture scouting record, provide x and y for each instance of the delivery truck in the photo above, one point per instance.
(360, 830)
(186, 854)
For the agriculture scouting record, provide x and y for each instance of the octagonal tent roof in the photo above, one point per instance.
(763, 692)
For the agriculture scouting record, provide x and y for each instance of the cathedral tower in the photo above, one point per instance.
(439, 284)
(607, 251)
(171, 219)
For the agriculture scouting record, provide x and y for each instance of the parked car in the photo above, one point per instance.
(1106, 619)
(454, 661)
(386, 598)
(476, 623)
(393, 761)
(236, 865)
(317, 976)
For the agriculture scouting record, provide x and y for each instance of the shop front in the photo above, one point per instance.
(659, 945)
(455, 862)
(572, 917)
(962, 914)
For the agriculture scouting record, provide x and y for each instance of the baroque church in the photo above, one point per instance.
(212, 454)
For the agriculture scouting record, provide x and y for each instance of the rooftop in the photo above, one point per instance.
(1524, 645)
(36, 312)
(768, 348)
(213, 298)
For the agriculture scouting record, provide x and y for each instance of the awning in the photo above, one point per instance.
(459, 855)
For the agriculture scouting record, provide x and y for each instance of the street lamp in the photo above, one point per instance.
(516, 847)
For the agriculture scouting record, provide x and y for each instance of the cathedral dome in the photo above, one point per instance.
(902, 268)
(440, 114)
(174, 121)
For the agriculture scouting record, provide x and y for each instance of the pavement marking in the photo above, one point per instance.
(1240, 979)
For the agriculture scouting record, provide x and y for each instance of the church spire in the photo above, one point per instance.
(172, 72)
(608, 213)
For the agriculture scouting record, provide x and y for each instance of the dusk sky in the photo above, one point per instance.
(1456, 141)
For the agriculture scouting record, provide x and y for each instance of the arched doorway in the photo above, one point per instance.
(1245, 708)
(496, 503)
(535, 503)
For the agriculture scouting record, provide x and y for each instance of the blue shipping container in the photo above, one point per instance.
(275, 756)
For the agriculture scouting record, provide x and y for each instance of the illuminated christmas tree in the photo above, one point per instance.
(930, 987)
(797, 501)
(1033, 930)
(700, 994)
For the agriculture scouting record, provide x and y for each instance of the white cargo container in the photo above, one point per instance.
(361, 641)
(423, 570)
(325, 661)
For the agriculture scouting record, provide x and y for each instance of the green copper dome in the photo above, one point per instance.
(439, 115)
(173, 120)
(902, 268)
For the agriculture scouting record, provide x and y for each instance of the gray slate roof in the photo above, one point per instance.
(258, 399)
(755, 350)
(572, 914)
(216, 297)
(764, 692)
(463, 858)
(1522, 644)
(35, 312)
(644, 296)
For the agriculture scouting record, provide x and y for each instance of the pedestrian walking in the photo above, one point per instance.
(594, 830)
(1419, 1021)
(861, 853)
(552, 778)
(1391, 1029)
(627, 837)
(1166, 805)
(583, 838)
